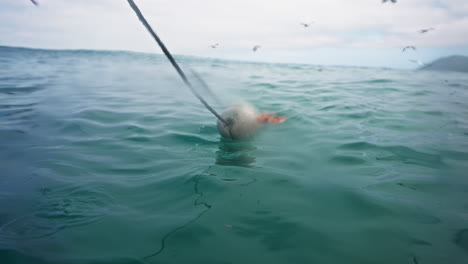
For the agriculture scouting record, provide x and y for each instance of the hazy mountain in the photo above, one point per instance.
(452, 63)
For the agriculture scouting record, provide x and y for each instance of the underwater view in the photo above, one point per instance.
(106, 157)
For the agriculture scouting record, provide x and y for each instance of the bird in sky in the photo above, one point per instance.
(256, 47)
(385, 1)
(306, 24)
(409, 47)
(35, 2)
(215, 45)
(422, 31)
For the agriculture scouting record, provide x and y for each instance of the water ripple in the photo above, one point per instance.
(397, 153)
(108, 155)
(60, 208)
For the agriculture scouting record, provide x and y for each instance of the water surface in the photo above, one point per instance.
(107, 158)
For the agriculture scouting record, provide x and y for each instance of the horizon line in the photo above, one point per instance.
(202, 57)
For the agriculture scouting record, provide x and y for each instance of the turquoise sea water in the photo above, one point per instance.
(106, 157)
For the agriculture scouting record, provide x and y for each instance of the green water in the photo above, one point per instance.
(107, 158)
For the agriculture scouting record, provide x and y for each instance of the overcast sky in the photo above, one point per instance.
(344, 32)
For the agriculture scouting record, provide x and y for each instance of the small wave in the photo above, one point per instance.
(434, 113)
(421, 93)
(361, 115)
(19, 90)
(18, 78)
(191, 138)
(265, 85)
(358, 146)
(89, 127)
(21, 256)
(398, 153)
(14, 106)
(326, 108)
(379, 81)
(303, 86)
(139, 139)
(347, 160)
(329, 98)
(142, 168)
(237, 160)
(455, 155)
(27, 227)
(296, 67)
(410, 156)
(77, 205)
(237, 154)
(268, 227)
(288, 81)
(16, 114)
(208, 130)
(60, 208)
(461, 239)
(103, 116)
(216, 65)
(387, 89)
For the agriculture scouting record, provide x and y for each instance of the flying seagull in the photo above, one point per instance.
(393, 1)
(409, 47)
(256, 47)
(306, 24)
(419, 62)
(215, 45)
(422, 31)
(35, 2)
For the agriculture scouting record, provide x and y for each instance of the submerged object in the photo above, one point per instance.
(237, 122)
(243, 121)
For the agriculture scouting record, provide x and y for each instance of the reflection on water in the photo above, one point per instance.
(235, 153)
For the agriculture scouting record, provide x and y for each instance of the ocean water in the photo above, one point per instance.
(106, 157)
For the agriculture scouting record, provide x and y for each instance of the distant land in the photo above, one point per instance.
(452, 63)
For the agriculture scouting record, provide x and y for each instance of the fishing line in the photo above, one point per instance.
(207, 88)
(173, 62)
(197, 202)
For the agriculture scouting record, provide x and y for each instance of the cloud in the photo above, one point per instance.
(189, 27)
